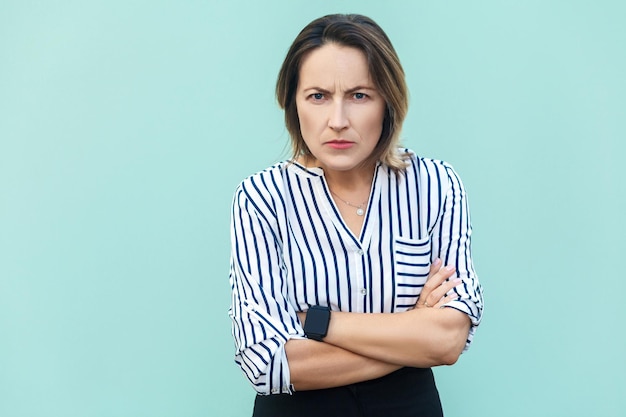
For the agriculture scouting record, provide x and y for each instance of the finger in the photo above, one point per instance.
(433, 283)
(436, 280)
(434, 267)
(440, 293)
(446, 300)
(444, 292)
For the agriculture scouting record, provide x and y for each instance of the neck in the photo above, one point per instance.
(352, 187)
(351, 181)
(354, 181)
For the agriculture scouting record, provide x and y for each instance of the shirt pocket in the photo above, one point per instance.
(412, 262)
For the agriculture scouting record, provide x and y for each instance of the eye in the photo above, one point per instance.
(317, 96)
(360, 96)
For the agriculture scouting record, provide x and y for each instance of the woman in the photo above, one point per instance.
(351, 269)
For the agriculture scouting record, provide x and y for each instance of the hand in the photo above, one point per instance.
(434, 292)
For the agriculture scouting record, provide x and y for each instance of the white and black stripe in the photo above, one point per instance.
(291, 250)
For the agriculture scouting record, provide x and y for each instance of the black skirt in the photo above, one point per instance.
(408, 392)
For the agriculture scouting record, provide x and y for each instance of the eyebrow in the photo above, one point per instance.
(360, 87)
(348, 91)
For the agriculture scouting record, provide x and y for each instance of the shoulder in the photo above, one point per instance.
(429, 172)
(261, 188)
(426, 166)
(265, 179)
(271, 188)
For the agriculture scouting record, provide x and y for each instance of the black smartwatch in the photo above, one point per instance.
(316, 323)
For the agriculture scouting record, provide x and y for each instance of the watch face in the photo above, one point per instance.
(316, 324)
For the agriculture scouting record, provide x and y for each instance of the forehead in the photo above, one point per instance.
(332, 63)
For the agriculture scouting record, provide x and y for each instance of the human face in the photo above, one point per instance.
(340, 111)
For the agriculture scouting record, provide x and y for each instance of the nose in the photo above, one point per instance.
(338, 119)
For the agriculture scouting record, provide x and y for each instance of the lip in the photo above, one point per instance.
(340, 144)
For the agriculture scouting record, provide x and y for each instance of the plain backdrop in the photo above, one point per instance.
(126, 125)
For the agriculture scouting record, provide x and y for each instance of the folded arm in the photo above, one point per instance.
(318, 365)
(420, 338)
(429, 335)
(360, 346)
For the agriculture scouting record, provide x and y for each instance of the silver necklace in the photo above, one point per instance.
(359, 207)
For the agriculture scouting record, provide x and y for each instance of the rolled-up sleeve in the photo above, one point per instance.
(262, 318)
(451, 241)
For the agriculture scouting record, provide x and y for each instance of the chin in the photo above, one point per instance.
(337, 165)
(337, 162)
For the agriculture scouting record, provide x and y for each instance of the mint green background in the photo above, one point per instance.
(126, 125)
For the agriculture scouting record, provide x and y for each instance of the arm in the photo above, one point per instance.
(315, 365)
(451, 241)
(262, 319)
(360, 347)
(422, 337)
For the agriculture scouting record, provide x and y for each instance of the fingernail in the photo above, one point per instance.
(437, 262)
(450, 268)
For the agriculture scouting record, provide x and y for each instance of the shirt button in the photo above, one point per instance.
(275, 391)
(364, 291)
(360, 252)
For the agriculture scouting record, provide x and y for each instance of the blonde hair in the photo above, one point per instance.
(364, 34)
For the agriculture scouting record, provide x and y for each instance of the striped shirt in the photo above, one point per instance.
(291, 249)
